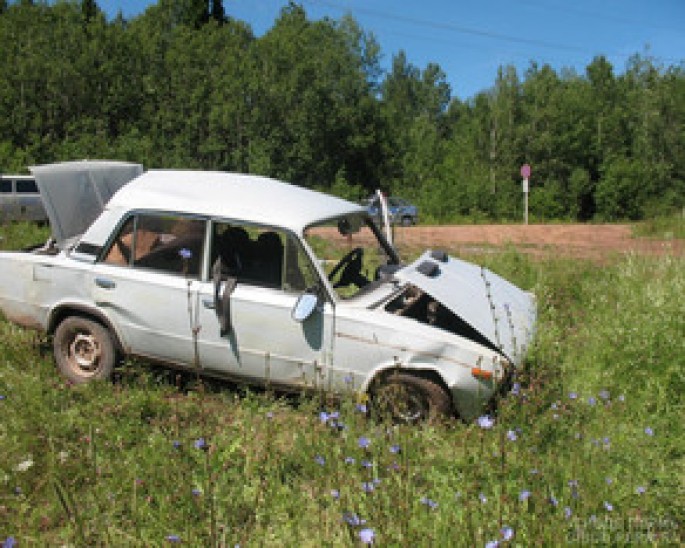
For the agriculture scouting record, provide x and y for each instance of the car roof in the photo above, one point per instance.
(233, 196)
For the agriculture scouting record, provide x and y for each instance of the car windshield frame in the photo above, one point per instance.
(327, 242)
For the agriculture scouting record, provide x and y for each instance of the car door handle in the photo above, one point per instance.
(208, 303)
(104, 283)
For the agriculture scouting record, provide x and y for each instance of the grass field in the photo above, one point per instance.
(587, 448)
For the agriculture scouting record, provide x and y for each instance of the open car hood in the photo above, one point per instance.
(504, 314)
(75, 193)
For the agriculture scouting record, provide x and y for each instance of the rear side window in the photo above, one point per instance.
(5, 186)
(164, 243)
(26, 186)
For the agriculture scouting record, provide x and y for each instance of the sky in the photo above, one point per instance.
(470, 39)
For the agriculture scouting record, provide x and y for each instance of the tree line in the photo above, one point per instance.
(185, 85)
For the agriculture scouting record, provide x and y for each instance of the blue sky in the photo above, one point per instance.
(469, 39)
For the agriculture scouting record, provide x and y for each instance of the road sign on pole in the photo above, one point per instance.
(525, 173)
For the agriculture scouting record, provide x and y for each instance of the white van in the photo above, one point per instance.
(20, 199)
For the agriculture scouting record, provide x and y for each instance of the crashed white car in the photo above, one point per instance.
(251, 279)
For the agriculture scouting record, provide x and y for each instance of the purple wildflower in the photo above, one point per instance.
(649, 431)
(511, 435)
(319, 460)
(9, 542)
(361, 408)
(608, 506)
(591, 400)
(364, 442)
(173, 538)
(486, 422)
(335, 494)
(428, 502)
(640, 490)
(516, 388)
(368, 486)
(352, 519)
(200, 443)
(366, 463)
(196, 492)
(524, 495)
(395, 449)
(492, 544)
(176, 444)
(553, 501)
(507, 533)
(573, 395)
(366, 536)
(323, 417)
(567, 512)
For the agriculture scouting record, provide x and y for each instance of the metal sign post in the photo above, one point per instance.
(525, 173)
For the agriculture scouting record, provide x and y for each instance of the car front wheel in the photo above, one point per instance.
(407, 399)
(84, 350)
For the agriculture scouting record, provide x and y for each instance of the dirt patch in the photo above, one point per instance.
(572, 240)
(588, 241)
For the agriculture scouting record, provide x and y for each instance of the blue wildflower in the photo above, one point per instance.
(486, 422)
(9, 542)
(516, 388)
(608, 506)
(368, 486)
(176, 444)
(568, 512)
(640, 490)
(395, 449)
(196, 492)
(483, 499)
(200, 443)
(573, 395)
(366, 464)
(649, 431)
(2, 397)
(511, 435)
(361, 408)
(364, 442)
(366, 536)
(591, 400)
(507, 533)
(323, 416)
(524, 495)
(319, 460)
(428, 502)
(335, 494)
(352, 519)
(492, 544)
(553, 501)
(173, 538)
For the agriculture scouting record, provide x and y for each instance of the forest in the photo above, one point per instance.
(185, 85)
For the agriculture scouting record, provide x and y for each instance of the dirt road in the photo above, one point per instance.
(591, 241)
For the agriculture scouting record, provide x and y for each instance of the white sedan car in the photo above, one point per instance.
(252, 279)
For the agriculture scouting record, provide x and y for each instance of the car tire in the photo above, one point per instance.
(408, 399)
(84, 350)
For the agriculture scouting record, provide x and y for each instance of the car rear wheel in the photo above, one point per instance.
(84, 350)
(407, 399)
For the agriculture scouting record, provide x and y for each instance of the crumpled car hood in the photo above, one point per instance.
(503, 313)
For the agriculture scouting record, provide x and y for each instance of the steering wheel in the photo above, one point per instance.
(351, 266)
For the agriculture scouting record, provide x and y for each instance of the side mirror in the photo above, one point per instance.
(305, 306)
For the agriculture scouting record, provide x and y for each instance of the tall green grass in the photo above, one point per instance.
(586, 448)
